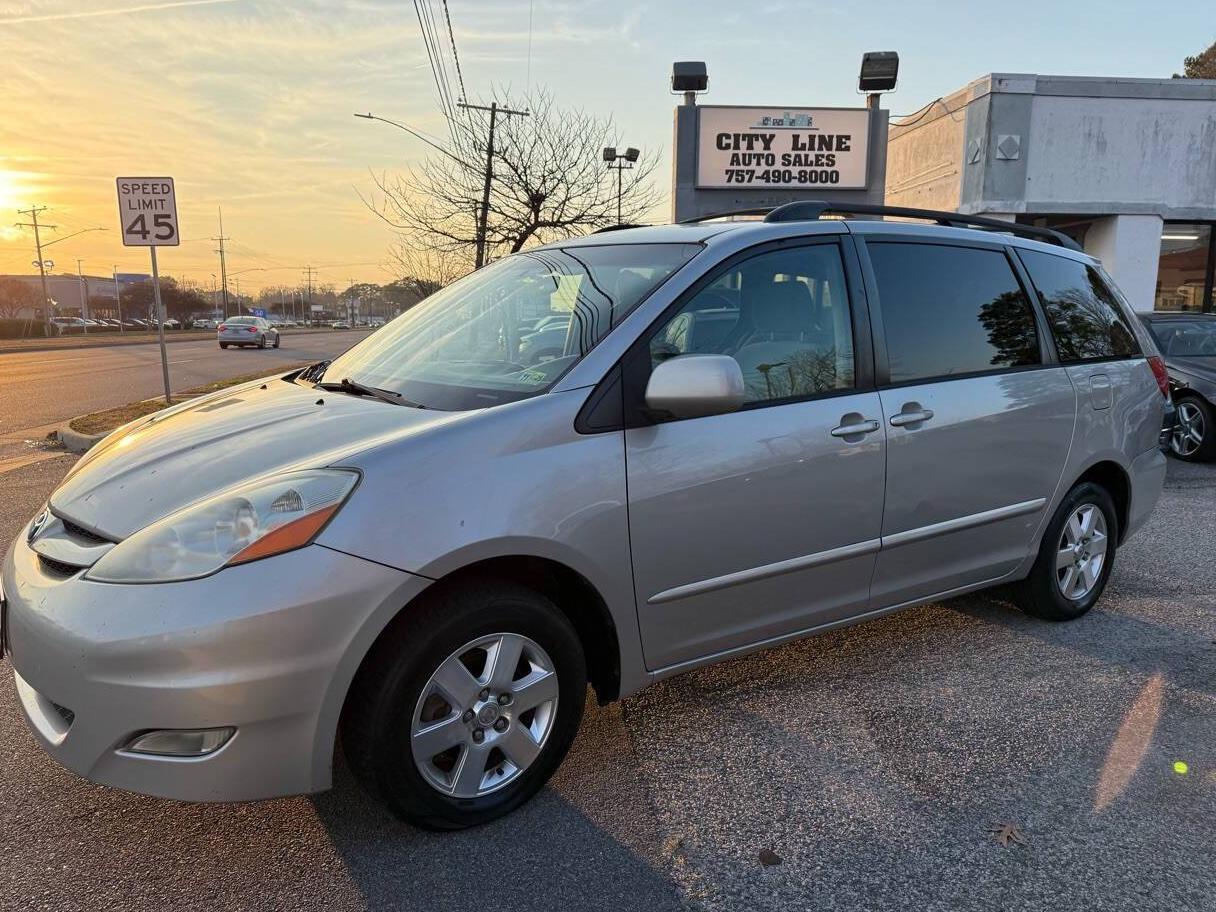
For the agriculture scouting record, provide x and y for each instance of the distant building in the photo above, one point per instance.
(71, 293)
(1126, 167)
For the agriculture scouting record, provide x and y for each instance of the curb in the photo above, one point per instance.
(76, 442)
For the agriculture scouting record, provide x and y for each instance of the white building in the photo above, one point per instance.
(1127, 167)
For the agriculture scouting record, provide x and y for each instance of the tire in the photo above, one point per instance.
(262, 341)
(223, 345)
(394, 691)
(1195, 417)
(1042, 594)
(278, 340)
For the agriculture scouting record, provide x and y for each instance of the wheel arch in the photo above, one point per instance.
(575, 597)
(570, 590)
(1112, 477)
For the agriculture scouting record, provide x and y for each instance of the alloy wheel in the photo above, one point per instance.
(1188, 432)
(1082, 552)
(484, 715)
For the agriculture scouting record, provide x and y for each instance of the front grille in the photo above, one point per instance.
(80, 532)
(57, 568)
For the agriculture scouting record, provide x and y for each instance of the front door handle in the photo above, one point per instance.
(903, 419)
(855, 428)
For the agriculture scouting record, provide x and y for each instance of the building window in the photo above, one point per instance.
(1184, 273)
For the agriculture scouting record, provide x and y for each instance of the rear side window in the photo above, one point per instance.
(1084, 315)
(951, 310)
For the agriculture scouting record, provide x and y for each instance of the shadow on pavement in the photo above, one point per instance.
(588, 841)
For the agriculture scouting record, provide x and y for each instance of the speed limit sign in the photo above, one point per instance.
(147, 212)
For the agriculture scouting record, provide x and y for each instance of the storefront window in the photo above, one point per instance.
(1184, 273)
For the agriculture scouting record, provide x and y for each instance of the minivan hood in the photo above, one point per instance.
(183, 454)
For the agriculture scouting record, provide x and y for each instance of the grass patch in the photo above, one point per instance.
(107, 419)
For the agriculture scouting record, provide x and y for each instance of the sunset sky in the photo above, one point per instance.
(248, 103)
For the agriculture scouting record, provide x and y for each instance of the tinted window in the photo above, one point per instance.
(784, 316)
(951, 310)
(1084, 315)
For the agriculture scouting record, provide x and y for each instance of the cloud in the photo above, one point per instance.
(120, 11)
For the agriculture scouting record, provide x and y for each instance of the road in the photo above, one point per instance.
(873, 761)
(39, 388)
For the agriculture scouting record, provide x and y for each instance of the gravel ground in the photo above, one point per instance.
(873, 762)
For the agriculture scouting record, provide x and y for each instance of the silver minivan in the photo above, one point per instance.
(425, 549)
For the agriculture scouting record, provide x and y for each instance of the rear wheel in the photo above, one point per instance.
(1075, 557)
(223, 345)
(277, 340)
(1194, 437)
(262, 341)
(464, 710)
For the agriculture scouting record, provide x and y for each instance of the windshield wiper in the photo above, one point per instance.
(354, 387)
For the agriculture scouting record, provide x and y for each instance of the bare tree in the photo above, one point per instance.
(549, 182)
(16, 296)
(415, 259)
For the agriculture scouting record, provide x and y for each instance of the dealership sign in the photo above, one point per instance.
(783, 148)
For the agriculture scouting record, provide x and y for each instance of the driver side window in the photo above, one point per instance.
(783, 316)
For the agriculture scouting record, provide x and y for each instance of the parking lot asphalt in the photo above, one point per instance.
(874, 762)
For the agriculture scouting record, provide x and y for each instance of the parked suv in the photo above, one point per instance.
(753, 432)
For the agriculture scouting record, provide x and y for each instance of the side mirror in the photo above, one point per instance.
(693, 386)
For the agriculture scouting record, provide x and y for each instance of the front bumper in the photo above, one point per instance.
(268, 647)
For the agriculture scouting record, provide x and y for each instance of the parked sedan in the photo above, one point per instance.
(1188, 343)
(244, 331)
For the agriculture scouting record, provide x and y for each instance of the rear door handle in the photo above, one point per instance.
(856, 428)
(903, 419)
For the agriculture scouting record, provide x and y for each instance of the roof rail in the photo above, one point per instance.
(811, 210)
(622, 227)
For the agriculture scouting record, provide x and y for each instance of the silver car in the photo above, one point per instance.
(244, 331)
(754, 432)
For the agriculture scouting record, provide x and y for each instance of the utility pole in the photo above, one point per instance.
(223, 264)
(484, 216)
(118, 301)
(84, 294)
(308, 271)
(32, 212)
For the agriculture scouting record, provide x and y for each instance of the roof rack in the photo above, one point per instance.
(622, 227)
(811, 210)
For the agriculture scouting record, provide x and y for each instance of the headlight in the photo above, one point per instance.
(242, 524)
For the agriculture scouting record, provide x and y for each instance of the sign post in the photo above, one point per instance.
(147, 214)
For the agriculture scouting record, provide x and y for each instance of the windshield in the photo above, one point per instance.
(509, 331)
(1185, 338)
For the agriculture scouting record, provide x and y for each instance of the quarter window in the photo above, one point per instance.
(1084, 315)
(948, 311)
(783, 316)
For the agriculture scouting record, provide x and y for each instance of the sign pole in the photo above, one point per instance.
(160, 327)
(147, 214)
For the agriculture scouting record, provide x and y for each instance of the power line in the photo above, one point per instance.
(445, 102)
(456, 57)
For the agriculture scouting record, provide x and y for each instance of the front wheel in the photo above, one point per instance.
(1194, 436)
(465, 708)
(223, 345)
(1075, 557)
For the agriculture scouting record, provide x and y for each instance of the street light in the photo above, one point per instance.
(879, 71)
(620, 162)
